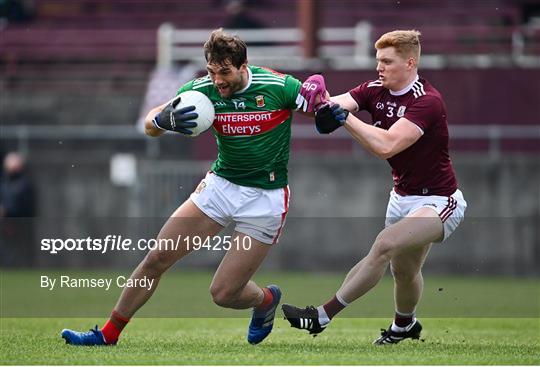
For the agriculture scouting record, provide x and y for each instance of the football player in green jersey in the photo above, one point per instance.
(247, 185)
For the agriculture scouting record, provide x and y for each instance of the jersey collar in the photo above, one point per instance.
(248, 83)
(404, 90)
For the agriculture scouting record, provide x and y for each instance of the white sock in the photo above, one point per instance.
(401, 329)
(341, 300)
(323, 317)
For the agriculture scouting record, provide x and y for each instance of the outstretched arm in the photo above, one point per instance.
(346, 101)
(384, 143)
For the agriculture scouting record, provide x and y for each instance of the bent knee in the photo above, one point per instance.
(223, 296)
(384, 248)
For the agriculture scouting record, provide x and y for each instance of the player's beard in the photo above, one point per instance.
(231, 87)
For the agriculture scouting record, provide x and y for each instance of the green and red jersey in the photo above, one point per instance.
(253, 127)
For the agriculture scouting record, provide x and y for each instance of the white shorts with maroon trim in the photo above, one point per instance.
(259, 213)
(450, 209)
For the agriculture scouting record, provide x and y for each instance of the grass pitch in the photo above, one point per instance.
(467, 321)
(222, 341)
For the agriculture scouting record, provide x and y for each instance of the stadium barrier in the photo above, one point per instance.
(344, 48)
(25, 134)
(275, 47)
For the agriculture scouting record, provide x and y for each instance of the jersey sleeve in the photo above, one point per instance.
(185, 87)
(290, 92)
(360, 94)
(426, 111)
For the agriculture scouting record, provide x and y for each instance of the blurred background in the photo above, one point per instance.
(77, 76)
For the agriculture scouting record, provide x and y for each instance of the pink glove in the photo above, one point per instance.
(312, 88)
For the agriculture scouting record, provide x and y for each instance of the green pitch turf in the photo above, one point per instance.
(222, 341)
(466, 320)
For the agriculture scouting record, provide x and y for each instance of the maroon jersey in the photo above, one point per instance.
(425, 167)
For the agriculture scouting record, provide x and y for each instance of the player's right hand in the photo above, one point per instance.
(312, 94)
(175, 120)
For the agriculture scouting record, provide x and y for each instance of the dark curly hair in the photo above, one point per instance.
(222, 47)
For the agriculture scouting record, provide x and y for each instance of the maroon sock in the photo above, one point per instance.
(113, 327)
(402, 320)
(333, 307)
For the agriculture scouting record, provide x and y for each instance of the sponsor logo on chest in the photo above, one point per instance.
(249, 123)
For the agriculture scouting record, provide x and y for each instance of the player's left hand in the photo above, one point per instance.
(312, 94)
(330, 117)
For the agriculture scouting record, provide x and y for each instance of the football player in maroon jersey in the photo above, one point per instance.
(410, 131)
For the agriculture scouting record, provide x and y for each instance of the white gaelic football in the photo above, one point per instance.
(203, 107)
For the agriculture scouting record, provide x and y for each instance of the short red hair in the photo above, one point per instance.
(406, 43)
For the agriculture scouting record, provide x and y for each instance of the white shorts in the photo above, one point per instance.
(257, 212)
(450, 209)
